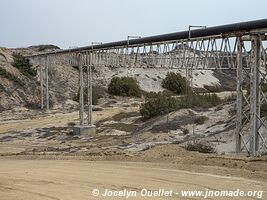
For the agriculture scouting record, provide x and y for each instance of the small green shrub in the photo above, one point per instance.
(98, 92)
(200, 120)
(47, 47)
(213, 88)
(71, 124)
(264, 87)
(149, 94)
(230, 98)
(175, 83)
(155, 94)
(159, 105)
(202, 101)
(232, 111)
(124, 86)
(200, 147)
(263, 110)
(23, 65)
(2, 88)
(11, 77)
(220, 107)
(33, 105)
(185, 131)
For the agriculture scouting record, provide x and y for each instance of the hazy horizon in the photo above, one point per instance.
(68, 23)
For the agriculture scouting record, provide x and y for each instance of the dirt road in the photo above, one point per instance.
(75, 180)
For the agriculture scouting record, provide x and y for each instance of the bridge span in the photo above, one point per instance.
(240, 47)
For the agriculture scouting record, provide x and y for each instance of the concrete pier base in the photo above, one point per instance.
(85, 130)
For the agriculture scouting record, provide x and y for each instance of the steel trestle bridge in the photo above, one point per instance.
(239, 46)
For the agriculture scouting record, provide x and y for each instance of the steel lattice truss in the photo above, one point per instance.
(244, 52)
(203, 53)
(251, 97)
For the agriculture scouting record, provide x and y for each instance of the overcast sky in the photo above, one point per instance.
(79, 22)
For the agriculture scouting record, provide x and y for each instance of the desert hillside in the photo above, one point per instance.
(18, 90)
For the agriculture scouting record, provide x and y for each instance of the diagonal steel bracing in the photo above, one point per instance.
(239, 47)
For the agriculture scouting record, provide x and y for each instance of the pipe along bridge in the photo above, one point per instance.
(239, 46)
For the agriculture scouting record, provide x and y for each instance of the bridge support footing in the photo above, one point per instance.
(85, 130)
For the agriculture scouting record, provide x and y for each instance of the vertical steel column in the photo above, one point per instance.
(42, 84)
(187, 82)
(254, 95)
(239, 103)
(191, 81)
(46, 82)
(90, 89)
(88, 57)
(81, 89)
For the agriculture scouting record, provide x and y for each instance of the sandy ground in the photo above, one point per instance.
(46, 167)
(56, 119)
(69, 180)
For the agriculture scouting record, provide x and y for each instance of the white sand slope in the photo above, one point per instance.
(150, 79)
